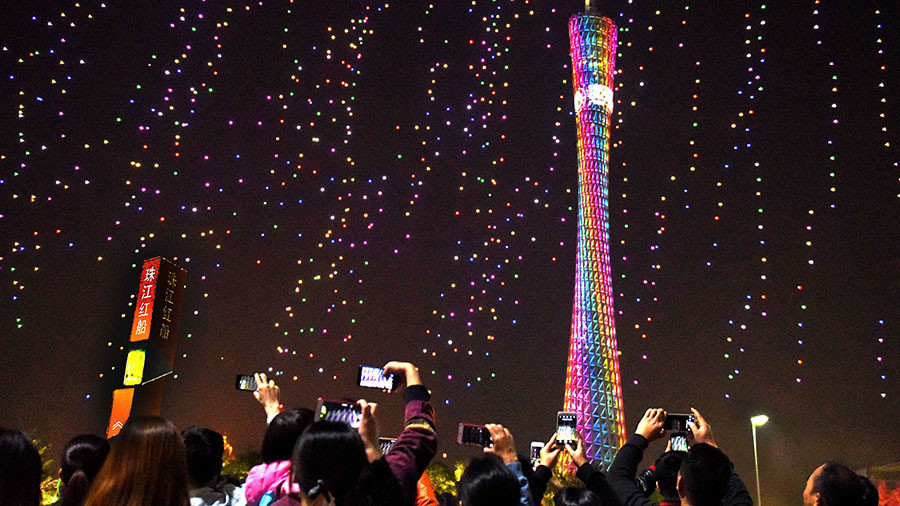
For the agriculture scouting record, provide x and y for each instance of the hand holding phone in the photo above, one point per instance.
(700, 429)
(651, 425)
(504, 444)
(566, 422)
(374, 377)
(405, 372)
(473, 435)
(548, 453)
(678, 422)
(339, 411)
(245, 382)
(536, 447)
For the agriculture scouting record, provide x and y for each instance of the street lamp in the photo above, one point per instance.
(757, 421)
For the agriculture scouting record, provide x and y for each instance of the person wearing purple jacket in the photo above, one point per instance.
(417, 443)
(362, 474)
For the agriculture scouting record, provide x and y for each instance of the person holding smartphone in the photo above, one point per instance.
(706, 477)
(417, 443)
(593, 479)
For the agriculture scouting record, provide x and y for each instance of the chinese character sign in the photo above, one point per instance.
(143, 313)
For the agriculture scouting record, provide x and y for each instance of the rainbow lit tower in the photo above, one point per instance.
(593, 385)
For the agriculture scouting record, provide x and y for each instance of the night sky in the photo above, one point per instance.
(348, 183)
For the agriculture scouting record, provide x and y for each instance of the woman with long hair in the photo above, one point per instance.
(327, 464)
(82, 459)
(146, 467)
(281, 435)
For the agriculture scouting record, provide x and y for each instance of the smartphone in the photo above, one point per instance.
(536, 447)
(245, 382)
(386, 443)
(339, 411)
(678, 422)
(373, 377)
(474, 435)
(565, 427)
(679, 441)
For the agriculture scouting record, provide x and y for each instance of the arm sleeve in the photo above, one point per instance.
(524, 490)
(621, 475)
(737, 493)
(417, 443)
(537, 482)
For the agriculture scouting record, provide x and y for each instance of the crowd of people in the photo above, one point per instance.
(310, 462)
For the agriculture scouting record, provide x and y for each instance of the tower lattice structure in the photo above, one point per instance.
(593, 384)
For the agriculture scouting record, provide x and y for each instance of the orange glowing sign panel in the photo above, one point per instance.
(121, 410)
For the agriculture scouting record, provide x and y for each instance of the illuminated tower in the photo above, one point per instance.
(593, 385)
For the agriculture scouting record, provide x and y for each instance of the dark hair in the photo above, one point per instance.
(328, 460)
(667, 466)
(203, 449)
(20, 470)
(145, 467)
(839, 485)
(283, 432)
(705, 472)
(488, 482)
(82, 459)
(571, 496)
(870, 495)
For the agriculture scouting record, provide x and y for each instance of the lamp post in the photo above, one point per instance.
(757, 421)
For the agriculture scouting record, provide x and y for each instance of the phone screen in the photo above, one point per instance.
(373, 377)
(679, 441)
(536, 447)
(339, 411)
(565, 427)
(476, 435)
(386, 443)
(678, 422)
(245, 382)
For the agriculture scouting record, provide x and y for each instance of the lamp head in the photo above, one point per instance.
(759, 420)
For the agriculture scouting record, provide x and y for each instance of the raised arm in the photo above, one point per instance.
(268, 394)
(621, 475)
(417, 443)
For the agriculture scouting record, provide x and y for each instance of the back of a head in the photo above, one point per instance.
(329, 458)
(488, 482)
(20, 470)
(838, 485)
(571, 496)
(705, 472)
(145, 467)
(81, 460)
(666, 471)
(283, 433)
(870, 496)
(203, 449)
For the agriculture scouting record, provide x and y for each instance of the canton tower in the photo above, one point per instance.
(593, 384)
